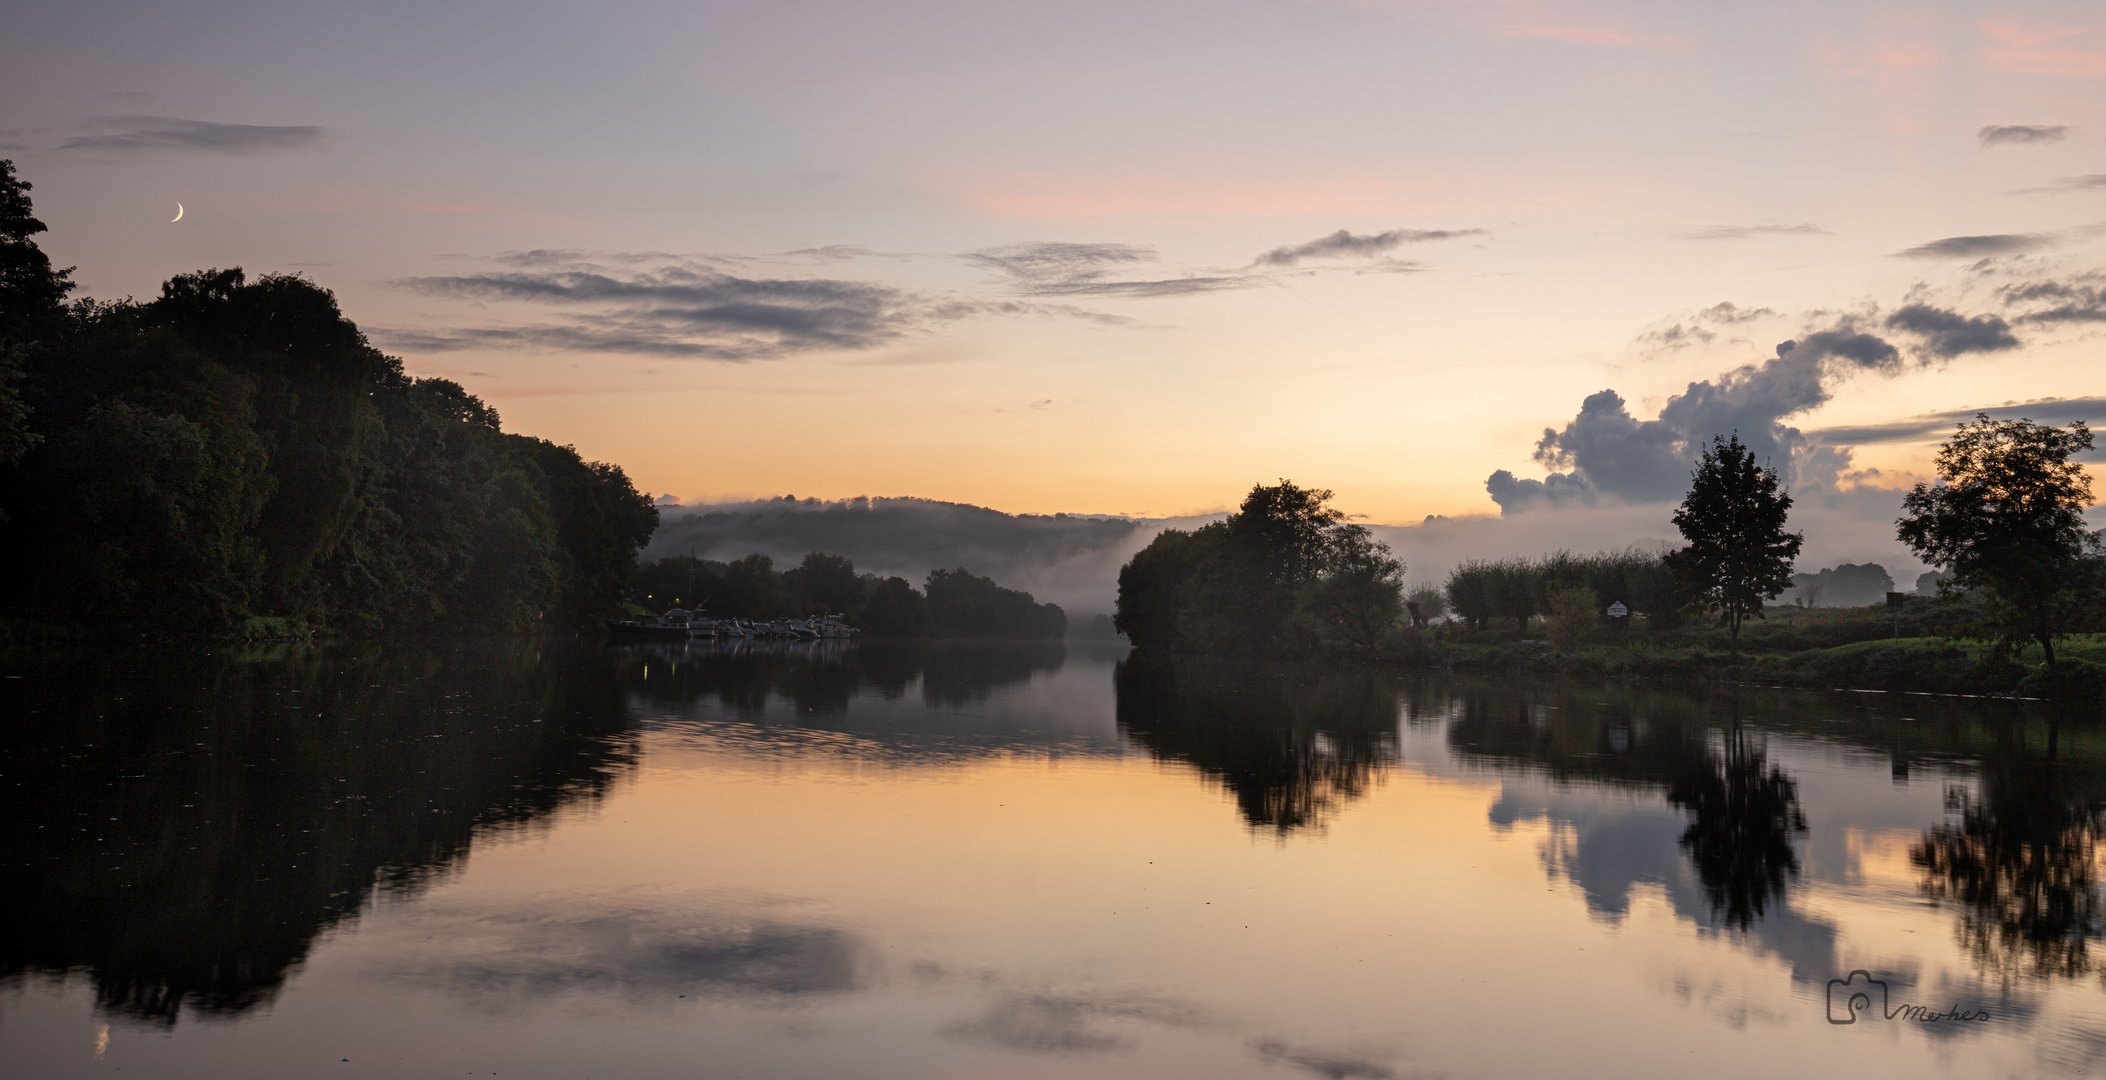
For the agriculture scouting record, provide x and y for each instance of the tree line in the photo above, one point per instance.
(2003, 523)
(235, 448)
(951, 603)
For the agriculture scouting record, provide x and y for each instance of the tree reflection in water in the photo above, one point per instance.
(2022, 864)
(1745, 813)
(1291, 745)
(180, 827)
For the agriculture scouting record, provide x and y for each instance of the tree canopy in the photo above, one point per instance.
(1738, 554)
(236, 448)
(2007, 516)
(1286, 565)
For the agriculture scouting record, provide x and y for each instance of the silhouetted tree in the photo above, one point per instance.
(895, 610)
(1739, 554)
(2007, 516)
(962, 605)
(237, 448)
(1234, 585)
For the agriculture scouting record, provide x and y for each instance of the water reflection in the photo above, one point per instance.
(1744, 816)
(1293, 746)
(1741, 812)
(181, 828)
(2021, 867)
(822, 678)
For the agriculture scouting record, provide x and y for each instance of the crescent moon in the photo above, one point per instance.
(178, 214)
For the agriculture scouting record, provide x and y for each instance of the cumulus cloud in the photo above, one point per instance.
(2019, 134)
(1343, 244)
(1742, 232)
(1070, 269)
(1605, 454)
(136, 134)
(1946, 334)
(1976, 247)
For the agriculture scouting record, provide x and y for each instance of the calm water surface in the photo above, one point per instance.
(1022, 862)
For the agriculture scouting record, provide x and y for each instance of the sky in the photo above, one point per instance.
(1502, 264)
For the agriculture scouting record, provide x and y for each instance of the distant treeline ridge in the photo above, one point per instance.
(952, 603)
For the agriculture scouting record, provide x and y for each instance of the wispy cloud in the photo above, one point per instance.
(677, 308)
(1975, 247)
(1053, 268)
(141, 134)
(2021, 134)
(683, 307)
(1743, 232)
(1344, 244)
(2081, 299)
(2087, 182)
(2043, 410)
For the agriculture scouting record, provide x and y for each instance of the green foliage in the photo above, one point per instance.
(1284, 569)
(235, 450)
(1739, 555)
(2007, 517)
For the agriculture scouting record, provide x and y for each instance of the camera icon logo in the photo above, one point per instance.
(1859, 992)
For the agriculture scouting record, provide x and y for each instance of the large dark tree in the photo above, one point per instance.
(1739, 554)
(2007, 517)
(235, 448)
(32, 305)
(1236, 585)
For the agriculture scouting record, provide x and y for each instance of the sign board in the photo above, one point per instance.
(1617, 610)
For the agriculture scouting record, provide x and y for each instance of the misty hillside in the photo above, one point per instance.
(1069, 560)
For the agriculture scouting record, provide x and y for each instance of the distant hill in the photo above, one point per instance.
(1068, 559)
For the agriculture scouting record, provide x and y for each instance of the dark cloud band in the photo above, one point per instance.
(1343, 244)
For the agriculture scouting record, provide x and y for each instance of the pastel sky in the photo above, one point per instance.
(1131, 257)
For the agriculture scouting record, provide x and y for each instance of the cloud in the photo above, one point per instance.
(1606, 455)
(2018, 134)
(1333, 1064)
(2049, 303)
(1742, 232)
(1975, 247)
(631, 949)
(1947, 334)
(133, 134)
(1702, 327)
(1053, 268)
(1343, 244)
(2044, 410)
(1073, 1024)
(679, 308)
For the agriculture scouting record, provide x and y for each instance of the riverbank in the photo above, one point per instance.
(1838, 648)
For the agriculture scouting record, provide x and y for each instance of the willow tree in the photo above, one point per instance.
(1739, 555)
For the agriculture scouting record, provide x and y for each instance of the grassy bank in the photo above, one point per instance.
(1852, 648)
